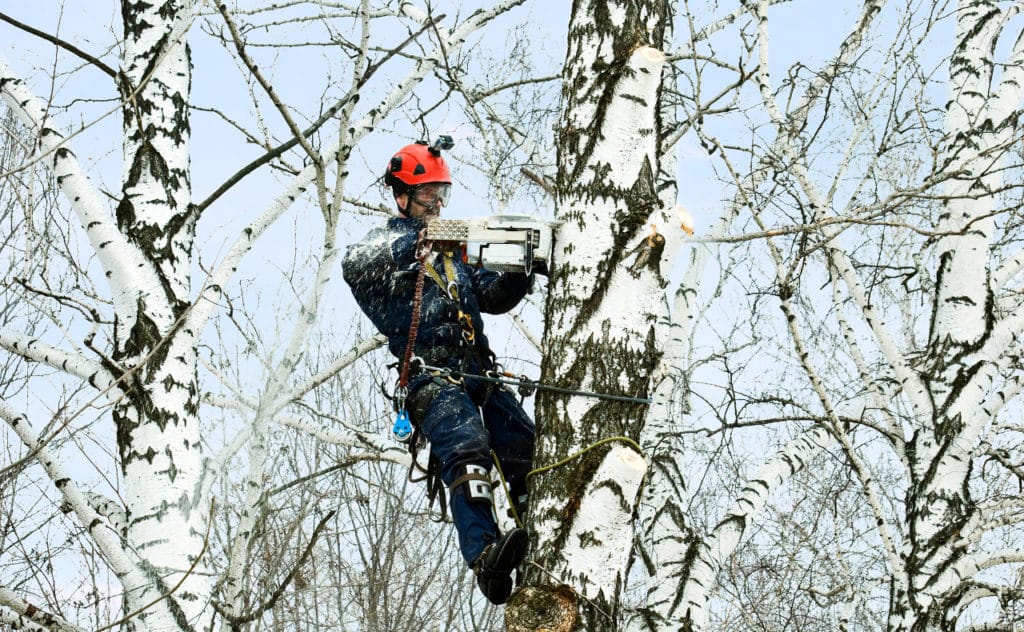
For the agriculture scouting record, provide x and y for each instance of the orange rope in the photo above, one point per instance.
(422, 251)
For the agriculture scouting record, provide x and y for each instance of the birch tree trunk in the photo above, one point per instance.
(157, 427)
(969, 344)
(145, 253)
(604, 301)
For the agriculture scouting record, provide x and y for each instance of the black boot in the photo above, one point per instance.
(495, 565)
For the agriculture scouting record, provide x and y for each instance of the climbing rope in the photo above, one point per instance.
(547, 468)
(422, 251)
(402, 428)
(630, 442)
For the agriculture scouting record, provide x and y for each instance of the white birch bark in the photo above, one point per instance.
(123, 266)
(606, 200)
(719, 545)
(133, 571)
(22, 615)
(161, 464)
(663, 510)
(158, 430)
(583, 247)
(980, 122)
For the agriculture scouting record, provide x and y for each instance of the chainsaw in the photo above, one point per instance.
(504, 243)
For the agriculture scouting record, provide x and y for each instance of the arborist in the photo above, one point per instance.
(401, 285)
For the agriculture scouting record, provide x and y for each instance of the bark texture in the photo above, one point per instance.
(583, 511)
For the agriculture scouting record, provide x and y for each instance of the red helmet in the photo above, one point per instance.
(418, 164)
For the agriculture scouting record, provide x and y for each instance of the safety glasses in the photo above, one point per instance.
(429, 195)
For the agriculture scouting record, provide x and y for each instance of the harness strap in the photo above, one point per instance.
(470, 476)
(451, 289)
(432, 271)
(432, 477)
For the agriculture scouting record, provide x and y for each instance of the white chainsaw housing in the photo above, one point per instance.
(506, 243)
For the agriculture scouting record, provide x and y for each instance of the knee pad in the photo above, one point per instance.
(475, 482)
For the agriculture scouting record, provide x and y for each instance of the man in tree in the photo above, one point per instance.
(395, 278)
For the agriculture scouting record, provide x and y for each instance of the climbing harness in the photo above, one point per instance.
(522, 382)
(403, 429)
(451, 289)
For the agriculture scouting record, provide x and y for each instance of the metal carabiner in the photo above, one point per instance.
(466, 324)
(416, 364)
(445, 374)
(401, 393)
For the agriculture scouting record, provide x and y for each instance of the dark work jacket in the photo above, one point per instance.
(381, 269)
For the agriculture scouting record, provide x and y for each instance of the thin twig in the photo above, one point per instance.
(267, 605)
(292, 142)
(269, 89)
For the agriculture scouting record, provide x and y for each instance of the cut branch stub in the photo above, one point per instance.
(537, 609)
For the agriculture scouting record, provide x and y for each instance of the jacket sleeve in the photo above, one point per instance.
(367, 264)
(381, 271)
(498, 292)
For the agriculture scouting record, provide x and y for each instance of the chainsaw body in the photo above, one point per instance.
(505, 243)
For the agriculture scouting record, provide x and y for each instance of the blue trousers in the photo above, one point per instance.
(461, 433)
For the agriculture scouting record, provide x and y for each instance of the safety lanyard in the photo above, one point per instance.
(451, 289)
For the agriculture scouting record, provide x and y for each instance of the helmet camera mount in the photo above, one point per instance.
(443, 142)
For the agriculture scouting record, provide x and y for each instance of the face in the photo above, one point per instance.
(425, 201)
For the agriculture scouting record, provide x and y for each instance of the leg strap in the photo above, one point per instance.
(475, 481)
(421, 400)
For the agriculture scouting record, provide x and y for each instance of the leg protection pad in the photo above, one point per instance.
(475, 481)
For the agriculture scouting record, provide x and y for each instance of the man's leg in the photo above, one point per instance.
(460, 442)
(512, 435)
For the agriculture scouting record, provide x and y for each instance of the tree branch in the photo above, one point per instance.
(30, 614)
(71, 48)
(268, 88)
(107, 542)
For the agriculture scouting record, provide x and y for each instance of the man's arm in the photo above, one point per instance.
(498, 292)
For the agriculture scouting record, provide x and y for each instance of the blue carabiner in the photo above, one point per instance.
(402, 429)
